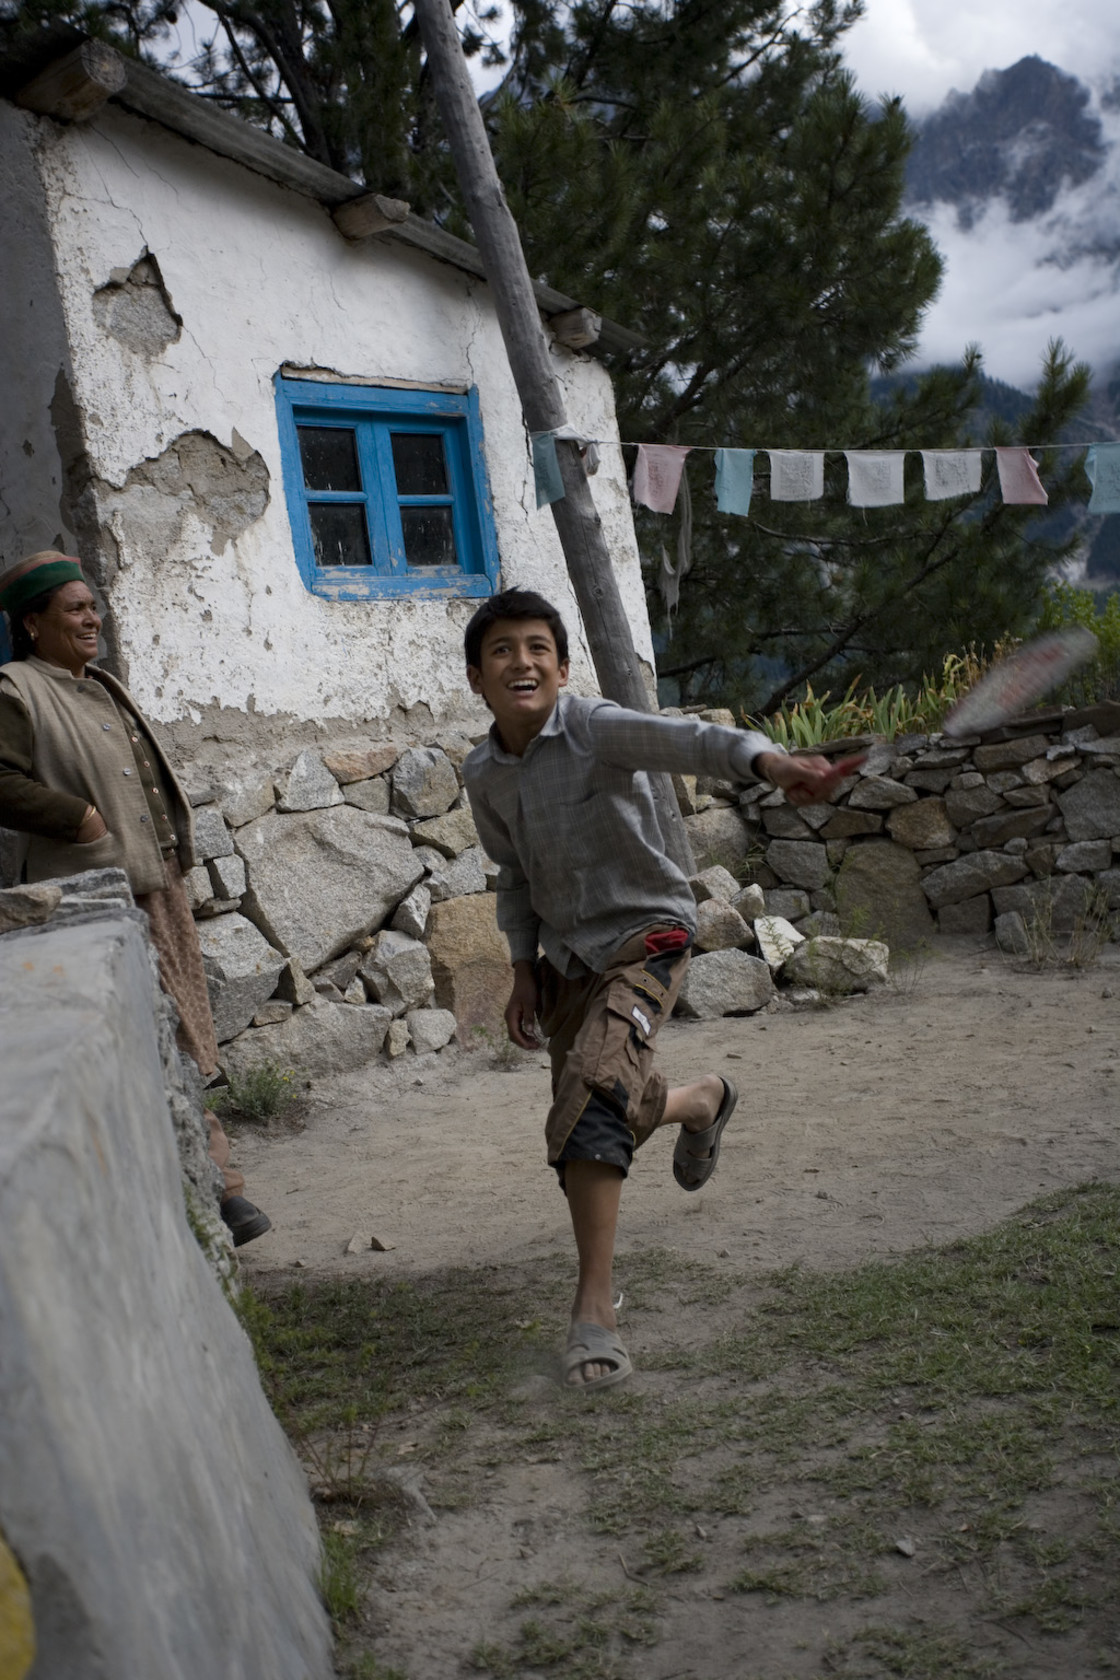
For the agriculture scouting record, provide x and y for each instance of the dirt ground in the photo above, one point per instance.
(886, 1123)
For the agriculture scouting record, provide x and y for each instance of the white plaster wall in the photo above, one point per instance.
(261, 278)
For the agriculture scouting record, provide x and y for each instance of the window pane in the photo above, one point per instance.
(419, 464)
(330, 458)
(429, 539)
(339, 534)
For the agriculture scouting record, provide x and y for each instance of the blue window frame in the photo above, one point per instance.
(387, 490)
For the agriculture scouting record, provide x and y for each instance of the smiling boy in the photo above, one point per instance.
(562, 802)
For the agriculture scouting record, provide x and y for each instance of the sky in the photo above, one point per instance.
(1008, 287)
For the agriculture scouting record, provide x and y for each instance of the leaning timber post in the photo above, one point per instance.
(578, 524)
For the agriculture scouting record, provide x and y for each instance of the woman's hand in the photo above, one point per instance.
(92, 827)
(521, 1010)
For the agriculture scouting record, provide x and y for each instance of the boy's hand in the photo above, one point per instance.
(806, 780)
(521, 1010)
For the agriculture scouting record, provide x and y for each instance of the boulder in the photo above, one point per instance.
(751, 902)
(921, 827)
(211, 836)
(725, 983)
(967, 876)
(322, 1039)
(1011, 934)
(1091, 807)
(803, 863)
(430, 1029)
(839, 965)
(1003, 826)
(784, 823)
(777, 939)
(788, 902)
(879, 793)
(22, 907)
(879, 893)
(470, 963)
(929, 781)
(715, 882)
(718, 835)
(1039, 771)
(227, 875)
(360, 765)
(1009, 755)
(843, 823)
(411, 914)
(450, 834)
(454, 877)
(241, 971)
(719, 927)
(1084, 857)
(969, 918)
(307, 786)
(369, 796)
(424, 783)
(322, 879)
(398, 972)
(243, 794)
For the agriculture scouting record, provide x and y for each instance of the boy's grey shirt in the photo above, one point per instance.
(573, 826)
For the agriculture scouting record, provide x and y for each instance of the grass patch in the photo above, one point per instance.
(258, 1095)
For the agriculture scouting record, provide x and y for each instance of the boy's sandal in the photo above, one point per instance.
(696, 1153)
(591, 1344)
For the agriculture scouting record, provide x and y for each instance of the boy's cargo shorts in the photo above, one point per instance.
(606, 1098)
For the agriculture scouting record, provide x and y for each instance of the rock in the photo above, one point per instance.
(270, 1014)
(450, 834)
(1010, 825)
(975, 873)
(431, 1029)
(801, 862)
(456, 745)
(1042, 856)
(411, 914)
(361, 1243)
(369, 796)
(820, 922)
(397, 1039)
(719, 835)
(784, 823)
(217, 907)
(1108, 882)
(1011, 934)
(307, 786)
(839, 965)
(719, 927)
(27, 906)
(725, 983)
(936, 757)
(777, 939)
(1056, 902)
(293, 985)
(684, 786)
(972, 916)
(715, 882)
(1023, 798)
(360, 766)
(199, 887)
(1009, 755)
(244, 794)
(1108, 747)
(398, 972)
(211, 836)
(197, 783)
(1003, 781)
(324, 1038)
(880, 793)
(228, 876)
(1091, 807)
(922, 826)
(320, 880)
(938, 854)
(1039, 771)
(241, 971)
(879, 893)
(843, 823)
(788, 902)
(751, 902)
(1084, 857)
(354, 993)
(341, 971)
(424, 783)
(456, 877)
(470, 963)
(929, 781)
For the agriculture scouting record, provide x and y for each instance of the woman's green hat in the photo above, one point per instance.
(34, 576)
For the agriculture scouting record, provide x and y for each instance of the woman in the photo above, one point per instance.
(85, 783)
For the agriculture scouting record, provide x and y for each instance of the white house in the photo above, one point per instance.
(291, 460)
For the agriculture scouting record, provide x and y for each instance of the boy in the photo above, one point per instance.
(562, 803)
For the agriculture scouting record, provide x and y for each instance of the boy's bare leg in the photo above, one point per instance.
(694, 1106)
(594, 1191)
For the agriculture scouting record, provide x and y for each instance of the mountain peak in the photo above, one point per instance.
(1022, 134)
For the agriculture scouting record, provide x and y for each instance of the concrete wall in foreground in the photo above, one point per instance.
(146, 1489)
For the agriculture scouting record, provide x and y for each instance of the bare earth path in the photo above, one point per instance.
(866, 1130)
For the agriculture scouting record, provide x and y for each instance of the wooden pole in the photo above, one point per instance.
(578, 524)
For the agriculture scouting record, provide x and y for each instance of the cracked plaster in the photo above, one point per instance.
(206, 600)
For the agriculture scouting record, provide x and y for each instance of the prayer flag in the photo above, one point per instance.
(657, 475)
(1103, 466)
(734, 480)
(796, 475)
(1018, 478)
(875, 478)
(951, 472)
(546, 469)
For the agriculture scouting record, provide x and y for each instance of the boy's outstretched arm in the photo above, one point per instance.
(806, 780)
(521, 1010)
